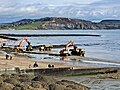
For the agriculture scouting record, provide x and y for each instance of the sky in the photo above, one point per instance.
(93, 10)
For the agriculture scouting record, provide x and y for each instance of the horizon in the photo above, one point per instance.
(91, 10)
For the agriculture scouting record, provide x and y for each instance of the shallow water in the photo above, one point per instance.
(105, 47)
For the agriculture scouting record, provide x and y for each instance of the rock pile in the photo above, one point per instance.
(31, 82)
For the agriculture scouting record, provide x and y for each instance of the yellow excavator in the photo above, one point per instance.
(19, 48)
(75, 51)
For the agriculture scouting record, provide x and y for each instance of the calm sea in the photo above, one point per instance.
(107, 46)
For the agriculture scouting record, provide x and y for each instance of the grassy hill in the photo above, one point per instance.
(33, 25)
(58, 23)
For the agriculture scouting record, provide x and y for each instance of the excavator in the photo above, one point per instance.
(75, 51)
(19, 47)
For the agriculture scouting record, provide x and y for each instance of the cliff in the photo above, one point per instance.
(55, 23)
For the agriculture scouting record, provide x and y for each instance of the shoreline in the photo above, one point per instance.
(23, 62)
(90, 81)
(26, 61)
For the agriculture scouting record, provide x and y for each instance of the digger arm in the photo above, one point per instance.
(27, 41)
(21, 42)
(65, 51)
(70, 43)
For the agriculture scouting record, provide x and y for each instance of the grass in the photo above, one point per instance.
(29, 26)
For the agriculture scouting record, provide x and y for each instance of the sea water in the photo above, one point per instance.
(107, 46)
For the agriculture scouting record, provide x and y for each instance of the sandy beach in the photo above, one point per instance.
(23, 62)
(3, 40)
(93, 82)
(26, 62)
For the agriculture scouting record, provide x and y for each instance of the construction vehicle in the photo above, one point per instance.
(45, 48)
(19, 48)
(78, 52)
(74, 51)
(65, 52)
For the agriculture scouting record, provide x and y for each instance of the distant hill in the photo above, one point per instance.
(56, 23)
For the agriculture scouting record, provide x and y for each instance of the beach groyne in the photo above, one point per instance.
(7, 37)
(41, 35)
(64, 71)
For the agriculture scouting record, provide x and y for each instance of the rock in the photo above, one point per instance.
(25, 78)
(37, 84)
(16, 88)
(6, 86)
(44, 79)
(1, 79)
(11, 81)
(30, 82)
(26, 87)
(56, 87)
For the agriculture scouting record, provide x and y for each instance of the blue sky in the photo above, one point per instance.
(94, 10)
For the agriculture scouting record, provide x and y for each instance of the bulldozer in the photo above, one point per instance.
(19, 48)
(75, 51)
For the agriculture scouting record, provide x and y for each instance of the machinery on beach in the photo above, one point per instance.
(75, 51)
(19, 48)
(45, 48)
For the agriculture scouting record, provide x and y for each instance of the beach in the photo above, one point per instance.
(3, 40)
(24, 62)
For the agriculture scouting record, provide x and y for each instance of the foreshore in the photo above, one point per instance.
(25, 63)
(2, 40)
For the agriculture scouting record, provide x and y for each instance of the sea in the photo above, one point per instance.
(106, 46)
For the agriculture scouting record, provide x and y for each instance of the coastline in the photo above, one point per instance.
(23, 62)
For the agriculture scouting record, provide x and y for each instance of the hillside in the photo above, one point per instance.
(55, 23)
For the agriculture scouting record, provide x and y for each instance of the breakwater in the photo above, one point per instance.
(38, 35)
(6, 37)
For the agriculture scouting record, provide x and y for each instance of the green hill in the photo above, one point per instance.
(58, 23)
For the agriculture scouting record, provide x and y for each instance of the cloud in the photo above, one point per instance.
(84, 9)
(106, 3)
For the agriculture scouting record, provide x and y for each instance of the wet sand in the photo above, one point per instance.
(25, 62)
(96, 82)
(3, 40)
(93, 82)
